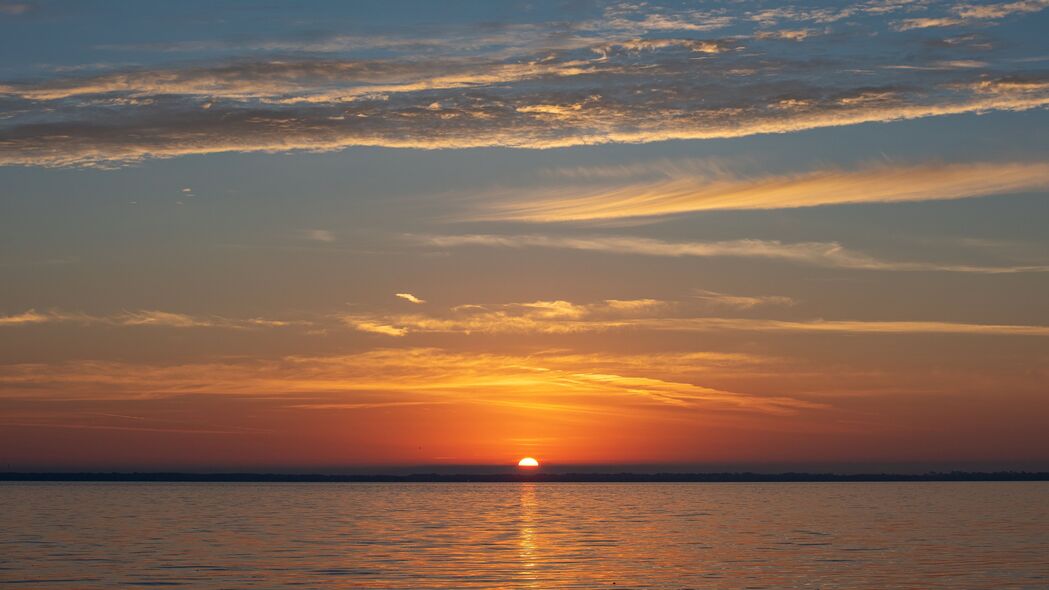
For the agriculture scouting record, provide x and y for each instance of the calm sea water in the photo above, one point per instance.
(877, 535)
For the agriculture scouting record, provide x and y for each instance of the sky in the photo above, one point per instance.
(372, 236)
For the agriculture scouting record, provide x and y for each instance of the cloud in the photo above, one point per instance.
(547, 317)
(34, 317)
(15, 8)
(928, 23)
(373, 327)
(771, 16)
(711, 46)
(647, 18)
(786, 34)
(829, 254)
(547, 120)
(163, 318)
(675, 189)
(855, 327)
(1000, 10)
(291, 82)
(138, 318)
(742, 301)
(563, 317)
(318, 235)
(967, 14)
(600, 384)
(410, 298)
(120, 428)
(634, 75)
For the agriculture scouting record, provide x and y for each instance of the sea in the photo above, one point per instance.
(525, 535)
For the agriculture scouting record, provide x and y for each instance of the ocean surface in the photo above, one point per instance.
(555, 535)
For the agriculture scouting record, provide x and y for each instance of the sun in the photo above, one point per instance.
(528, 463)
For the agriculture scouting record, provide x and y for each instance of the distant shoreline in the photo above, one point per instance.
(959, 476)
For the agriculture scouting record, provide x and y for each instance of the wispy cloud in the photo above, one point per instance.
(564, 317)
(585, 383)
(786, 34)
(551, 317)
(966, 14)
(34, 317)
(830, 254)
(364, 324)
(318, 235)
(861, 327)
(15, 8)
(675, 188)
(928, 22)
(1000, 9)
(410, 298)
(742, 301)
(138, 318)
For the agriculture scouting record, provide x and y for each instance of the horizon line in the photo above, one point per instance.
(524, 477)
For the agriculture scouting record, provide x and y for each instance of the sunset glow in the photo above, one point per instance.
(656, 235)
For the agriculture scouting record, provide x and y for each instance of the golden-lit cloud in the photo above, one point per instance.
(686, 189)
(639, 45)
(1000, 9)
(588, 383)
(410, 298)
(366, 325)
(291, 82)
(965, 14)
(546, 317)
(563, 317)
(828, 254)
(928, 23)
(34, 317)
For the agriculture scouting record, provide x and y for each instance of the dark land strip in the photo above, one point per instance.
(527, 477)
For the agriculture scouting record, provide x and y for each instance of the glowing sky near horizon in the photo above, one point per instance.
(356, 235)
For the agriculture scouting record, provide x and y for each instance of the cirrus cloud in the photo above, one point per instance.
(674, 189)
(564, 317)
(828, 254)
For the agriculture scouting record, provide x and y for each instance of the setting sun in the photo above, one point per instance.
(528, 463)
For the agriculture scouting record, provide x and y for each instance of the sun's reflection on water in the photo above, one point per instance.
(527, 542)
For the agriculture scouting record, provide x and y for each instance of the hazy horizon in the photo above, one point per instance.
(845, 468)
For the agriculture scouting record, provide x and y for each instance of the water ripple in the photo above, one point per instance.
(434, 536)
